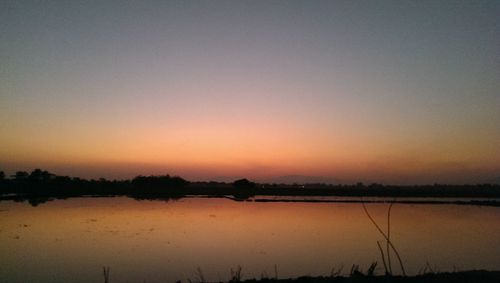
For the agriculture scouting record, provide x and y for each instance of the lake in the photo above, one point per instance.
(159, 241)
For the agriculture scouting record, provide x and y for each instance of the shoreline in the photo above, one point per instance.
(35, 200)
(477, 276)
(39, 186)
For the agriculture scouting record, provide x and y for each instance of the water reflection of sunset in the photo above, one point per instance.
(154, 240)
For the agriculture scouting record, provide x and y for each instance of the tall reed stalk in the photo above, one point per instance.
(388, 268)
(106, 274)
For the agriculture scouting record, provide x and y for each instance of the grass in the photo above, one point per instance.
(356, 275)
(236, 274)
(106, 274)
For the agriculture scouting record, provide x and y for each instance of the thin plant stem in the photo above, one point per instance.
(106, 274)
(383, 257)
(389, 237)
(385, 236)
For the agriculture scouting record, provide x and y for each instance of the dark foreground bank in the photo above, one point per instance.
(476, 276)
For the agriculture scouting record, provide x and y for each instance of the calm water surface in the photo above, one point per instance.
(155, 241)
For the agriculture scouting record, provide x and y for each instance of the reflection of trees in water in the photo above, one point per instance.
(37, 201)
(40, 186)
(165, 199)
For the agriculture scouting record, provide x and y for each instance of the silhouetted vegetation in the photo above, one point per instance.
(243, 183)
(40, 186)
(244, 189)
(386, 257)
(356, 276)
(21, 175)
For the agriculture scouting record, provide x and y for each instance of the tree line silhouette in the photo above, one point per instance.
(41, 184)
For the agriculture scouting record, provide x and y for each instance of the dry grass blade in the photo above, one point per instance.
(236, 274)
(199, 275)
(371, 269)
(383, 258)
(389, 238)
(336, 273)
(106, 274)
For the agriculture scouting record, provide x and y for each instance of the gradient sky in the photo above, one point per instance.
(377, 91)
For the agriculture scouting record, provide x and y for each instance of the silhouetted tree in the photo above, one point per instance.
(376, 186)
(64, 179)
(243, 183)
(244, 189)
(20, 175)
(38, 175)
(153, 183)
(2, 176)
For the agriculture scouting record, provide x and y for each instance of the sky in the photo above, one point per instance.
(395, 92)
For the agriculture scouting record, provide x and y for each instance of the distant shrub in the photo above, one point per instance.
(244, 184)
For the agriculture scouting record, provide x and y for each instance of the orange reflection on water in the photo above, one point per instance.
(166, 241)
